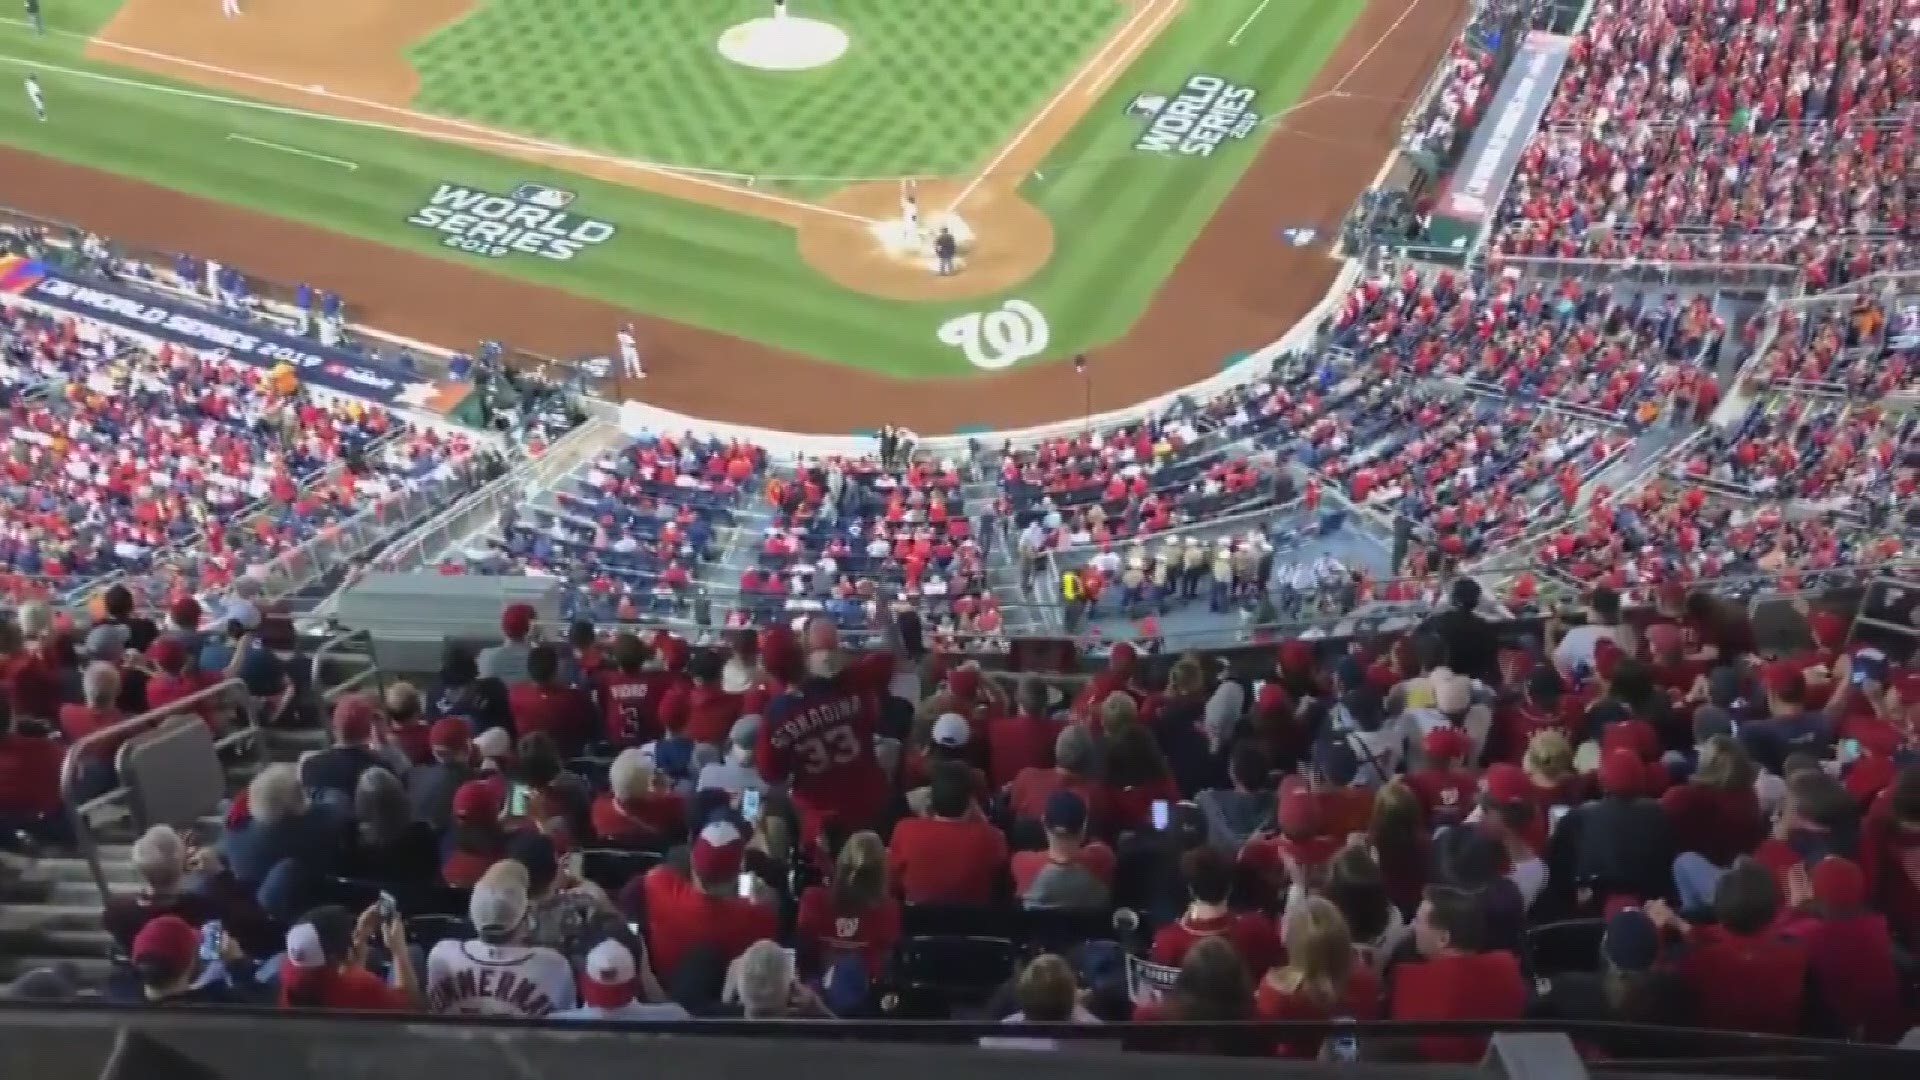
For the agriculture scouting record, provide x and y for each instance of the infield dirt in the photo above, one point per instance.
(1237, 288)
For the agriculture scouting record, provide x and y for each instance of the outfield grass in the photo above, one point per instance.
(926, 88)
(1122, 219)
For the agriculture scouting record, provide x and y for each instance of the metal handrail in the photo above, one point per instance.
(70, 766)
(330, 650)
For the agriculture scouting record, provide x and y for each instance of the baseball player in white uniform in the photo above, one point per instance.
(37, 98)
(910, 211)
(779, 10)
(230, 8)
(630, 353)
(492, 975)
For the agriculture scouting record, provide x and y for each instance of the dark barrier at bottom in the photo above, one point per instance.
(65, 1042)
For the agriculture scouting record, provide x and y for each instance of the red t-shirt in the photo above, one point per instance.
(1019, 742)
(35, 684)
(1361, 1001)
(630, 704)
(1132, 807)
(1095, 858)
(1027, 796)
(942, 861)
(650, 819)
(552, 709)
(871, 933)
(1470, 986)
(79, 721)
(1745, 983)
(710, 713)
(1719, 823)
(354, 988)
(164, 690)
(1251, 934)
(681, 918)
(1890, 855)
(30, 775)
(820, 734)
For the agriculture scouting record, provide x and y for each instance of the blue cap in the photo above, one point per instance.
(1632, 941)
(1065, 812)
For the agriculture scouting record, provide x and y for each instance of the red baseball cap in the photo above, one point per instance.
(517, 620)
(448, 733)
(964, 683)
(167, 941)
(1446, 743)
(718, 852)
(1299, 812)
(475, 801)
(1621, 772)
(353, 719)
(1839, 883)
(1828, 628)
(1121, 660)
(186, 612)
(780, 652)
(1506, 782)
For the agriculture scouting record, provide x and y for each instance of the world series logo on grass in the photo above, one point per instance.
(530, 220)
(1207, 112)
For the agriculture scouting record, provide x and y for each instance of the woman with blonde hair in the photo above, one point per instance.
(1549, 764)
(854, 913)
(1716, 814)
(1323, 978)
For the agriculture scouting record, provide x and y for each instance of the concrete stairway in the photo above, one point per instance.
(49, 906)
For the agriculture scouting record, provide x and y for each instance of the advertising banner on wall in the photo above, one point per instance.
(203, 330)
(1472, 193)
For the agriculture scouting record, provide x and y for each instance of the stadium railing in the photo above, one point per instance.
(1643, 273)
(137, 732)
(1860, 589)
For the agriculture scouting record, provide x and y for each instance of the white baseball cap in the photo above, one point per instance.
(606, 979)
(952, 731)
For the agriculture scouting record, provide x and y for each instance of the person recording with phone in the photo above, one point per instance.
(175, 964)
(326, 962)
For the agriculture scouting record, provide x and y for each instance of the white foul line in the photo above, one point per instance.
(1235, 39)
(1046, 110)
(1121, 59)
(342, 162)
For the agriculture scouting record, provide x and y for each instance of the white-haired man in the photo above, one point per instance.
(763, 982)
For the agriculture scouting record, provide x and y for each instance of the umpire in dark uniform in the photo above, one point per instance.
(945, 250)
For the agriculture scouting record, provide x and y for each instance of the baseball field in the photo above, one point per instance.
(1152, 182)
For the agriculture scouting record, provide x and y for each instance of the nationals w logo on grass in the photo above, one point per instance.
(533, 219)
(1207, 112)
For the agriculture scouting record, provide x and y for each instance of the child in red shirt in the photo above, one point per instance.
(951, 856)
(1209, 879)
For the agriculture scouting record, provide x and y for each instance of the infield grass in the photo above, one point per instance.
(1122, 218)
(924, 88)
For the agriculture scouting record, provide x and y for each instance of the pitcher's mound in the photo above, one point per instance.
(783, 44)
(1003, 241)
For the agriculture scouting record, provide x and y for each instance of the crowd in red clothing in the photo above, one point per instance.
(1567, 342)
(1861, 347)
(1730, 131)
(138, 454)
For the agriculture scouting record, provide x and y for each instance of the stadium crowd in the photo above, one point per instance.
(188, 471)
(1635, 817)
(1701, 130)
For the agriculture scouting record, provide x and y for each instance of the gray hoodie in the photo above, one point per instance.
(1233, 816)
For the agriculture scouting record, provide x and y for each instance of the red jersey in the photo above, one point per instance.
(630, 704)
(820, 734)
(1361, 1001)
(708, 713)
(554, 709)
(1447, 795)
(1252, 935)
(830, 934)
